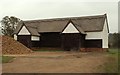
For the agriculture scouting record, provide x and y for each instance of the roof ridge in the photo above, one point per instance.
(66, 18)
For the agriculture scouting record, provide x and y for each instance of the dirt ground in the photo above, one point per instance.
(56, 62)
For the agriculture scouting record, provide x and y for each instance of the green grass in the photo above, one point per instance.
(114, 51)
(111, 65)
(119, 61)
(6, 59)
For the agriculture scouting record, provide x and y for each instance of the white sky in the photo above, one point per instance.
(44, 9)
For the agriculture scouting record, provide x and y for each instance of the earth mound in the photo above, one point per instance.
(11, 46)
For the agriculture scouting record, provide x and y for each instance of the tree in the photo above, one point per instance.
(9, 25)
(114, 40)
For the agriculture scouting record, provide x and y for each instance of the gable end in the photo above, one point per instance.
(70, 28)
(24, 31)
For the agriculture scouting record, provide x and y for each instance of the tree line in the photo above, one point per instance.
(113, 40)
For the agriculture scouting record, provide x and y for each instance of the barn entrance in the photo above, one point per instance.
(25, 40)
(71, 41)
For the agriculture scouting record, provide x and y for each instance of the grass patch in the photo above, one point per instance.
(6, 59)
(119, 61)
(111, 64)
(114, 51)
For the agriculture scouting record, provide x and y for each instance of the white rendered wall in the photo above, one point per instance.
(15, 36)
(24, 31)
(35, 38)
(105, 36)
(70, 29)
(100, 35)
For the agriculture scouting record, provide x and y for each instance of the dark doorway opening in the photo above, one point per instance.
(71, 41)
(93, 43)
(52, 39)
(25, 40)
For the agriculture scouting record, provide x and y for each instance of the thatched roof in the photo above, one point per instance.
(83, 24)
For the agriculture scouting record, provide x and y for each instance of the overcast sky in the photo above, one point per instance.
(44, 9)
